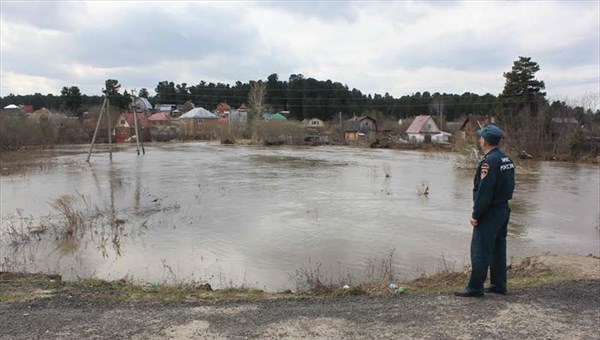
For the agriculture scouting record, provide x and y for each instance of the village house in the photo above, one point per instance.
(366, 124)
(422, 129)
(125, 127)
(191, 121)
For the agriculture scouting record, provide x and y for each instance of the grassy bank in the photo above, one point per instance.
(19, 287)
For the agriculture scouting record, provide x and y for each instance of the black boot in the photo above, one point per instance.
(465, 293)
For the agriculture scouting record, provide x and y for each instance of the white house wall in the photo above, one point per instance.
(416, 138)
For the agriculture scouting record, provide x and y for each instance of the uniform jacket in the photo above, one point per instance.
(494, 182)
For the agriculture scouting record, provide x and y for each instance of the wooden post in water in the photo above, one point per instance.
(142, 137)
(109, 124)
(96, 130)
(136, 125)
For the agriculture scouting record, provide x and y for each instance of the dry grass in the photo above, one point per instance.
(16, 287)
(277, 132)
(314, 279)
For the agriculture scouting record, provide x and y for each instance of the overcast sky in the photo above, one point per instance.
(398, 47)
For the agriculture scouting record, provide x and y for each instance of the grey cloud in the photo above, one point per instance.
(151, 36)
(322, 10)
(583, 52)
(44, 15)
(451, 51)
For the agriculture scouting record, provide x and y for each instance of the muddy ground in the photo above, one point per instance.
(552, 297)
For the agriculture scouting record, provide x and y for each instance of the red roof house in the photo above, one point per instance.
(125, 127)
(223, 107)
(160, 118)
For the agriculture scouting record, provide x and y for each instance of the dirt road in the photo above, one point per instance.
(567, 310)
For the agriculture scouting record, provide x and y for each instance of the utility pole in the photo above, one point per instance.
(105, 106)
(109, 129)
(136, 124)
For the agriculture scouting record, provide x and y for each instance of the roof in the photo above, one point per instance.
(360, 119)
(222, 107)
(352, 125)
(128, 116)
(160, 117)
(275, 116)
(198, 113)
(11, 106)
(142, 103)
(419, 125)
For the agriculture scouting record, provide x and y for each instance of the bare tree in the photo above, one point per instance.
(256, 97)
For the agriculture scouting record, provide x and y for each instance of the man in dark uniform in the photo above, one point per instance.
(493, 186)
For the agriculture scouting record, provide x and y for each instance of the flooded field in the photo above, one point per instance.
(268, 217)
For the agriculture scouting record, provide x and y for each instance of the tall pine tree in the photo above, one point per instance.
(521, 90)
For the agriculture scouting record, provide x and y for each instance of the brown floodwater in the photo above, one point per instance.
(266, 217)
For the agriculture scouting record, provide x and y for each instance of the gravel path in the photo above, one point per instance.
(569, 310)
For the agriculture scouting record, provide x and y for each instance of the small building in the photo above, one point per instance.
(366, 124)
(422, 129)
(351, 130)
(125, 127)
(313, 123)
(165, 107)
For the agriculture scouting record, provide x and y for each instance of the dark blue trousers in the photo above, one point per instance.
(488, 249)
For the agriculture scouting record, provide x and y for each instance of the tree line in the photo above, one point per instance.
(306, 97)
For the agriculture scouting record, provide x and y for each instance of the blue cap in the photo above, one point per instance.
(491, 134)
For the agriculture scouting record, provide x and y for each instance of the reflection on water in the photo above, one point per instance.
(254, 216)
